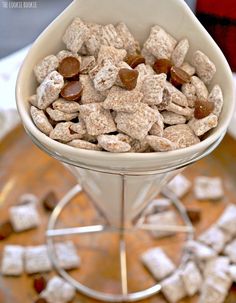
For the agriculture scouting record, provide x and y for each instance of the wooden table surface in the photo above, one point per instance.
(26, 169)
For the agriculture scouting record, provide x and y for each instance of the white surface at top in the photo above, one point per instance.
(9, 67)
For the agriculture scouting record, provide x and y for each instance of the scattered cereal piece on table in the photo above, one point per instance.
(216, 265)
(227, 220)
(214, 237)
(58, 290)
(179, 185)
(12, 260)
(166, 218)
(24, 217)
(200, 251)
(66, 255)
(37, 259)
(156, 206)
(158, 263)
(230, 251)
(208, 188)
(173, 288)
(192, 278)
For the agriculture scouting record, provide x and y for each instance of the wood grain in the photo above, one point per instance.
(24, 168)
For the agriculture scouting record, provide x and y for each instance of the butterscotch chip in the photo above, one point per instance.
(58, 115)
(194, 214)
(162, 66)
(178, 76)
(135, 60)
(50, 201)
(137, 124)
(180, 52)
(182, 135)
(72, 91)
(201, 126)
(120, 99)
(203, 108)
(128, 78)
(152, 89)
(65, 106)
(69, 67)
(84, 145)
(5, 230)
(160, 144)
(112, 144)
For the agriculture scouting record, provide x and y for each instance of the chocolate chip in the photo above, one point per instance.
(69, 67)
(203, 108)
(50, 201)
(72, 91)
(194, 214)
(128, 78)
(135, 60)
(178, 76)
(5, 230)
(162, 66)
(40, 284)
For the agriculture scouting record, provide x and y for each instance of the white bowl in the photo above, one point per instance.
(175, 17)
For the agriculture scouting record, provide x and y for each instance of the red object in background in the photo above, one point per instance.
(219, 18)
